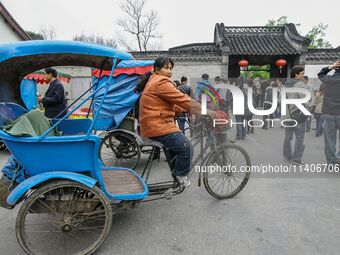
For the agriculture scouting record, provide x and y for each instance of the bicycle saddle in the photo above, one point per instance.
(150, 142)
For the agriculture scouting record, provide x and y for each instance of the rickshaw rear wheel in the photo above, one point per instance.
(64, 217)
(118, 149)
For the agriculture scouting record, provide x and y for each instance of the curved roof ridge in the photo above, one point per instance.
(13, 23)
(192, 45)
(253, 29)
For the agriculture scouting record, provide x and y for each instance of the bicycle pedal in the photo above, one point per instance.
(167, 195)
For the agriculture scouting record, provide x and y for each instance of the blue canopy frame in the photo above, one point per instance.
(37, 47)
(19, 59)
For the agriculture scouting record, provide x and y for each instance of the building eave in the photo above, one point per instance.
(13, 23)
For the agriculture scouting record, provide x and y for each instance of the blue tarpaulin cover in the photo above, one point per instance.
(120, 100)
(121, 97)
(28, 91)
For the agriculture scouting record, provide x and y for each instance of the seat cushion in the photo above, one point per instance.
(33, 123)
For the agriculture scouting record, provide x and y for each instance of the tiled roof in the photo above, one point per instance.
(257, 41)
(189, 52)
(197, 48)
(323, 54)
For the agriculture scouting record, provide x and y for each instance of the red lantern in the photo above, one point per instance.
(243, 63)
(280, 64)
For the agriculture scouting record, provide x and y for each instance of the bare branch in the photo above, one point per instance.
(138, 23)
(48, 33)
(96, 39)
(124, 42)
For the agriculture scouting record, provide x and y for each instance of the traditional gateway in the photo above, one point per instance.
(256, 45)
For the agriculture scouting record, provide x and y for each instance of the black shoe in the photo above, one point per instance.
(287, 159)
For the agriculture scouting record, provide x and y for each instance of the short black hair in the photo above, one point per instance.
(52, 71)
(176, 82)
(218, 79)
(296, 70)
(205, 76)
(162, 61)
(184, 79)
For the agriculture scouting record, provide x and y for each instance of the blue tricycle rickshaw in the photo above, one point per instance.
(68, 194)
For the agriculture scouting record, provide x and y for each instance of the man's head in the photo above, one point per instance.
(250, 82)
(297, 72)
(305, 79)
(205, 76)
(218, 79)
(184, 80)
(50, 74)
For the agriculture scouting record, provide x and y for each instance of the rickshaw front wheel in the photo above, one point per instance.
(64, 217)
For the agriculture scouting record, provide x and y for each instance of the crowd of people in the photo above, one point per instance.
(162, 100)
(324, 106)
(177, 98)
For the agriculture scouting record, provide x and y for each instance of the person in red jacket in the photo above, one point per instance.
(159, 103)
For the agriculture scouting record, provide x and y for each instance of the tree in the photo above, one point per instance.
(48, 33)
(256, 71)
(138, 24)
(279, 22)
(35, 36)
(316, 34)
(96, 39)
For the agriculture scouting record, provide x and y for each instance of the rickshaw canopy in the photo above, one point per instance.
(19, 59)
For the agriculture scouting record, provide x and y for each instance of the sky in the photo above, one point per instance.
(181, 21)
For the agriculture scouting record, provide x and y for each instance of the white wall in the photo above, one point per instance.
(7, 35)
(312, 72)
(193, 71)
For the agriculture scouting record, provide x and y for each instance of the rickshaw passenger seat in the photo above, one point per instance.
(73, 126)
(33, 123)
(10, 112)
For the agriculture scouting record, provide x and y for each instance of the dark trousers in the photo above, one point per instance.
(181, 151)
(240, 127)
(267, 106)
(181, 122)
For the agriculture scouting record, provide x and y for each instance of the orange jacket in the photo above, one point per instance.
(158, 104)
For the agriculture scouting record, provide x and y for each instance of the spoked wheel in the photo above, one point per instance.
(2, 145)
(226, 171)
(64, 217)
(120, 150)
